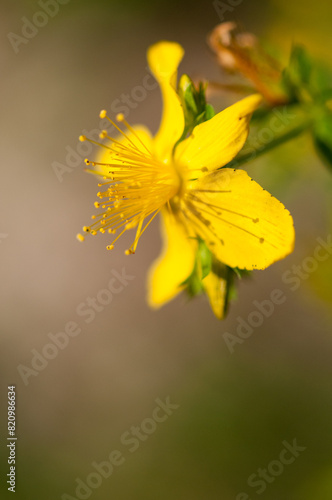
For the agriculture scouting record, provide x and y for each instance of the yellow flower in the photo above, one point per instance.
(241, 224)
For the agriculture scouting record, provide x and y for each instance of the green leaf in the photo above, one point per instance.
(298, 72)
(323, 137)
(300, 65)
(306, 79)
(321, 82)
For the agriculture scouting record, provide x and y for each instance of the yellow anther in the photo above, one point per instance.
(80, 237)
(82, 138)
(129, 192)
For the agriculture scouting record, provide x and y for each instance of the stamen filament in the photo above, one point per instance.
(137, 185)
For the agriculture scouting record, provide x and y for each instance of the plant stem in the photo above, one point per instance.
(255, 153)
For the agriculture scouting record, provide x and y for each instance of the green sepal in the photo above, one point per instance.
(204, 259)
(209, 112)
(241, 273)
(202, 267)
(228, 278)
(206, 263)
(234, 274)
(227, 274)
(195, 108)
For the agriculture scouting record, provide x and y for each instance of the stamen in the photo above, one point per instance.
(197, 213)
(104, 134)
(137, 185)
(103, 114)
(120, 117)
(84, 138)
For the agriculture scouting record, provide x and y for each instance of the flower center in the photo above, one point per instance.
(136, 187)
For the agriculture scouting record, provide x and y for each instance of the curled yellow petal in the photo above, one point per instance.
(174, 265)
(215, 142)
(243, 225)
(164, 59)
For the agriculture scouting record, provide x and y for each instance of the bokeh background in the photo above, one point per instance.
(234, 410)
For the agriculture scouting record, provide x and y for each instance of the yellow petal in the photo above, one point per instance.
(164, 59)
(174, 265)
(216, 290)
(217, 141)
(243, 225)
(141, 135)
